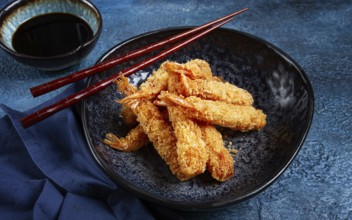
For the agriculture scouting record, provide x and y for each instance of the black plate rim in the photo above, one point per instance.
(191, 206)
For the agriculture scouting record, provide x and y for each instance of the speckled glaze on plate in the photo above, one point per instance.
(279, 86)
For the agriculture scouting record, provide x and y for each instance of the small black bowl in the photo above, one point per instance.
(16, 13)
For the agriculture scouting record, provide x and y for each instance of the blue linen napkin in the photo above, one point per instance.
(48, 172)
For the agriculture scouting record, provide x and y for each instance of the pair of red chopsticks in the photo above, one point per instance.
(44, 113)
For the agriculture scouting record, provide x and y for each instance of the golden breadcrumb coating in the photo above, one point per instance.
(220, 164)
(212, 90)
(160, 133)
(236, 117)
(156, 82)
(152, 86)
(191, 152)
(198, 69)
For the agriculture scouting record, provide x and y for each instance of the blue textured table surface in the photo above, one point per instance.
(317, 34)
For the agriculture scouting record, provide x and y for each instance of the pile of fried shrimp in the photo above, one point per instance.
(177, 109)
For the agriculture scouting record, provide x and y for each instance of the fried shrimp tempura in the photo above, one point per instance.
(191, 152)
(236, 117)
(160, 133)
(156, 82)
(192, 155)
(195, 69)
(220, 164)
(211, 89)
(134, 140)
(152, 86)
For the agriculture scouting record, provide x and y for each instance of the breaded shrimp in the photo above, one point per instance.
(152, 86)
(192, 155)
(236, 117)
(191, 152)
(195, 69)
(159, 131)
(134, 140)
(156, 82)
(220, 164)
(200, 68)
(210, 89)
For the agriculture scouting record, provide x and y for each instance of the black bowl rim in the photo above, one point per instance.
(206, 206)
(12, 5)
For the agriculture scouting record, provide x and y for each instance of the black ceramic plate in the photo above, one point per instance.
(279, 86)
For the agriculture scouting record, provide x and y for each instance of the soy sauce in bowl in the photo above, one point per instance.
(51, 34)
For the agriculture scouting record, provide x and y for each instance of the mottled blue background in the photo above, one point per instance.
(317, 34)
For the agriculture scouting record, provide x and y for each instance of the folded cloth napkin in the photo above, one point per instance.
(48, 172)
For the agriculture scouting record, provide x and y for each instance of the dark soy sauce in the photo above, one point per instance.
(51, 34)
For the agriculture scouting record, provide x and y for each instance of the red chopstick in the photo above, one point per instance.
(57, 83)
(44, 113)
